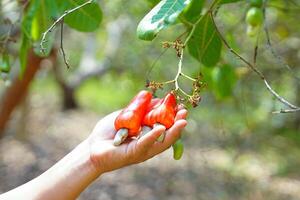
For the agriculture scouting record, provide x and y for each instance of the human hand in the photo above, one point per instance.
(107, 157)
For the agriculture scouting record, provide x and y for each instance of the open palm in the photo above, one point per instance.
(107, 157)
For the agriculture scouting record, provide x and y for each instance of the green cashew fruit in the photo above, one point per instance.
(254, 16)
(178, 149)
(4, 64)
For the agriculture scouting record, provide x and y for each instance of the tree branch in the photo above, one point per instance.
(272, 50)
(60, 19)
(62, 43)
(19, 87)
(287, 111)
(254, 69)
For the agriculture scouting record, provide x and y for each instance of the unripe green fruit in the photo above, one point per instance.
(254, 16)
(5, 68)
(178, 149)
(256, 3)
(252, 30)
(4, 64)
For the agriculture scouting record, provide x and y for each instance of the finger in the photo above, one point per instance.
(182, 114)
(174, 132)
(171, 136)
(144, 131)
(146, 142)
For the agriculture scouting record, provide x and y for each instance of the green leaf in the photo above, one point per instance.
(193, 11)
(207, 76)
(53, 8)
(27, 31)
(205, 44)
(41, 22)
(86, 19)
(62, 6)
(37, 19)
(29, 16)
(25, 46)
(224, 79)
(160, 17)
(229, 1)
(153, 2)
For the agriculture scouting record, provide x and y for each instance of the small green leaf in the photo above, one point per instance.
(25, 45)
(153, 2)
(224, 79)
(207, 76)
(41, 22)
(205, 44)
(27, 31)
(228, 1)
(163, 15)
(37, 19)
(86, 19)
(29, 17)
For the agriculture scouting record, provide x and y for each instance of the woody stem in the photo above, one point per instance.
(179, 70)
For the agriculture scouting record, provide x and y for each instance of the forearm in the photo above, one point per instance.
(65, 180)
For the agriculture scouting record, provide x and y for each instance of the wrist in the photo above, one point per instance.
(73, 173)
(91, 167)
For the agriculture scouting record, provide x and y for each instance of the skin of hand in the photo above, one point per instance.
(107, 157)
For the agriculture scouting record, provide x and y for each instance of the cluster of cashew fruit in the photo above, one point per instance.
(144, 113)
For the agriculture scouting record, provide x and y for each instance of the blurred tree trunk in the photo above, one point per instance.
(90, 66)
(69, 98)
(15, 93)
(68, 91)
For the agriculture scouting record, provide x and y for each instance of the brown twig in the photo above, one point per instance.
(256, 47)
(50, 29)
(62, 43)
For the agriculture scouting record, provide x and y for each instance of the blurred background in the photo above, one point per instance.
(235, 148)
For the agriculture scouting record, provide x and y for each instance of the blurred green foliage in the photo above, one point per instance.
(110, 93)
(235, 112)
